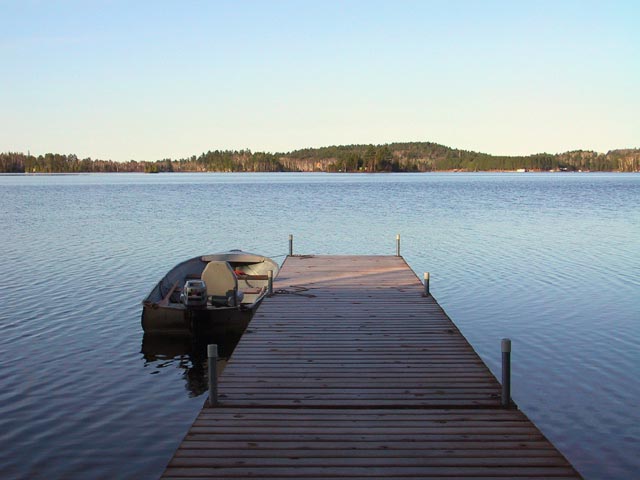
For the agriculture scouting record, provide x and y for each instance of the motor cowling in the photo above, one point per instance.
(194, 294)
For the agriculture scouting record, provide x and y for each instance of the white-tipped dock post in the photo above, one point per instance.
(426, 284)
(397, 245)
(212, 361)
(290, 245)
(506, 372)
(270, 282)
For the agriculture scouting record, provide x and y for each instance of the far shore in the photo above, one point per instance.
(51, 174)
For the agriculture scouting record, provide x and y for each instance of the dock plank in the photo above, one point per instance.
(349, 371)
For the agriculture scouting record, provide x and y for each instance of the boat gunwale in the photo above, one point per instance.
(233, 256)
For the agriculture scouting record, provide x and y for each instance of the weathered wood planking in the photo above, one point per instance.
(350, 372)
(354, 332)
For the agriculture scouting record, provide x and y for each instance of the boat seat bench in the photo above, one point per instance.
(252, 277)
(165, 299)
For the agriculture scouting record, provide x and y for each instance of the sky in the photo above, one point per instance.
(149, 80)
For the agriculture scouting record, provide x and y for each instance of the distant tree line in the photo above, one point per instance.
(394, 157)
(57, 163)
(230, 161)
(427, 157)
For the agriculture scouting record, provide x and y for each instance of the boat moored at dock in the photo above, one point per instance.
(208, 292)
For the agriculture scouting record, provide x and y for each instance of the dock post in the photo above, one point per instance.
(290, 245)
(506, 372)
(426, 284)
(212, 361)
(397, 245)
(270, 282)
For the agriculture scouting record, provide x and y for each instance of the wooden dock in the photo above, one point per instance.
(349, 371)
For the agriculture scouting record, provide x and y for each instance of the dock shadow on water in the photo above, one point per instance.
(189, 353)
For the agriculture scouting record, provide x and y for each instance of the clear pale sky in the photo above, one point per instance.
(147, 80)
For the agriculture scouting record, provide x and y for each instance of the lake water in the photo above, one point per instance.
(550, 260)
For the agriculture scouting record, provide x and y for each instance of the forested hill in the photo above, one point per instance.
(393, 157)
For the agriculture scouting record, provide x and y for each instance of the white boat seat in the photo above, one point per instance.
(222, 284)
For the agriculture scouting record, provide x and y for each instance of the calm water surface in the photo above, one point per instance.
(550, 260)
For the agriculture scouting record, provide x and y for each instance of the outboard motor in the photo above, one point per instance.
(194, 294)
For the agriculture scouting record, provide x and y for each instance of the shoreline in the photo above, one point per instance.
(51, 174)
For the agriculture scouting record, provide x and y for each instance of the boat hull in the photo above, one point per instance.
(206, 321)
(163, 313)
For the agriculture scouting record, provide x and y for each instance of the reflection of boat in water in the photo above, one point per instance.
(188, 353)
(208, 291)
